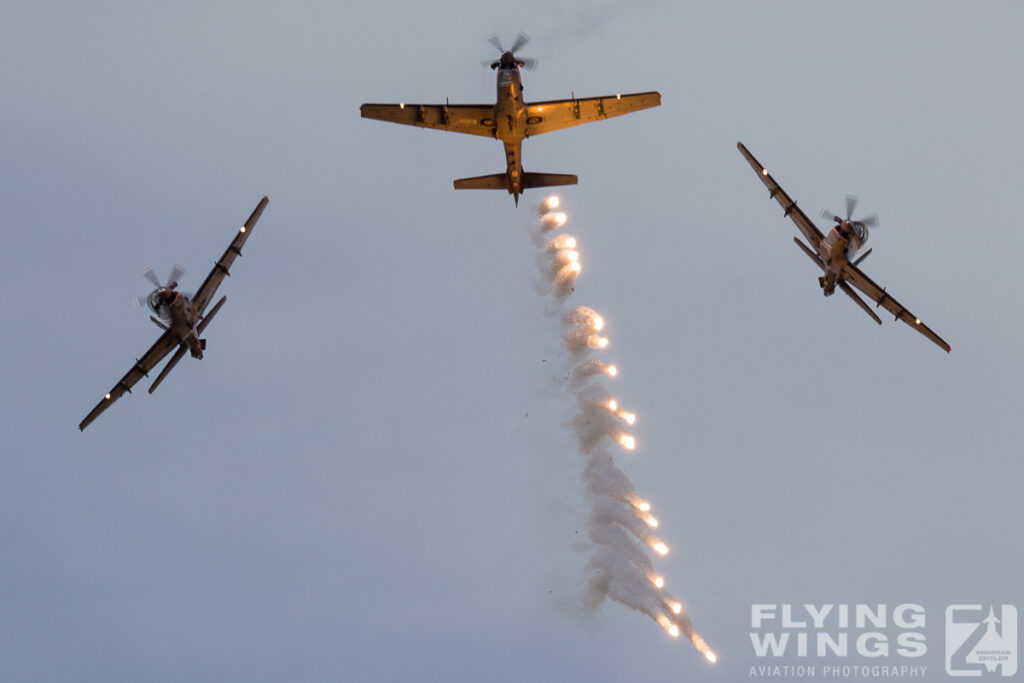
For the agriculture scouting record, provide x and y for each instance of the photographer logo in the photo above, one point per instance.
(981, 640)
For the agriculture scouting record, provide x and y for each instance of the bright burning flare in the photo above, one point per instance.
(553, 221)
(561, 242)
(658, 582)
(667, 624)
(630, 418)
(652, 522)
(567, 274)
(629, 443)
(611, 370)
(677, 608)
(660, 548)
(613, 405)
(703, 648)
(643, 506)
(551, 202)
(597, 323)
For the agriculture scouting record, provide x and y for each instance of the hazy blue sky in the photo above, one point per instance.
(368, 477)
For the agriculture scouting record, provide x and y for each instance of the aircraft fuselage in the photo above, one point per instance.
(840, 245)
(510, 125)
(183, 320)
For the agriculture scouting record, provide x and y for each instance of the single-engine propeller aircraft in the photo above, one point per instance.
(510, 120)
(181, 317)
(839, 253)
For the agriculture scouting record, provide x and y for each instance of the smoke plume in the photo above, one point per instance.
(620, 526)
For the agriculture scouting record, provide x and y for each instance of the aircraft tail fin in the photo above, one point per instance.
(548, 179)
(496, 181)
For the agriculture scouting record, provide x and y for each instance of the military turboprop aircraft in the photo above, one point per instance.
(181, 317)
(838, 253)
(510, 120)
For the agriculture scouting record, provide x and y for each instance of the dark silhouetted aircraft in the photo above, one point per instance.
(181, 317)
(838, 253)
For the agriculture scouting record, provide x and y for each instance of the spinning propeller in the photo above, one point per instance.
(521, 40)
(851, 204)
(157, 299)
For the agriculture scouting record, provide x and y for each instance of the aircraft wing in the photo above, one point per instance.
(855, 277)
(544, 117)
(789, 206)
(167, 342)
(472, 119)
(209, 287)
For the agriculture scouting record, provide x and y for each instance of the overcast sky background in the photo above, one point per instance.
(368, 476)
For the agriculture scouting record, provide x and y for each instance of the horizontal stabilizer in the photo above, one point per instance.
(209, 316)
(810, 254)
(860, 302)
(496, 181)
(548, 179)
(170, 366)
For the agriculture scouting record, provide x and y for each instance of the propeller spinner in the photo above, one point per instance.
(508, 57)
(858, 225)
(157, 299)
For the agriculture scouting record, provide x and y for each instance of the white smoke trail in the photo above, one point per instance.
(584, 315)
(613, 576)
(586, 370)
(608, 512)
(594, 421)
(620, 524)
(557, 258)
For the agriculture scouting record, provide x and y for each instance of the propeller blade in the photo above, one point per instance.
(528, 63)
(148, 274)
(521, 40)
(176, 272)
(493, 40)
(851, 205)
(141, 301)
(869, 222)
(827, 215)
